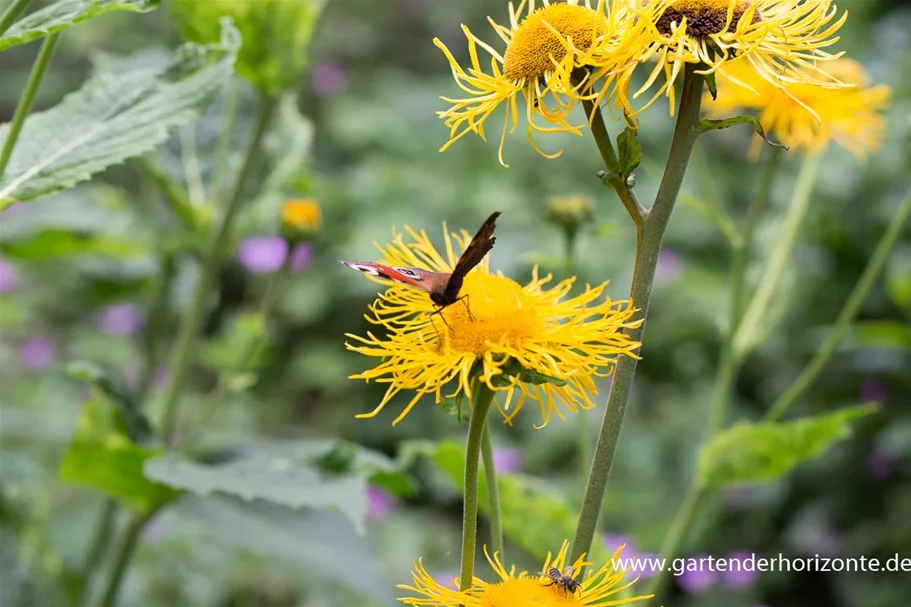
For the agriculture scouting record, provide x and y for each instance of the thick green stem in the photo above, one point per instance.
(189, 330)
(649, 244)
(97, 550)
(750, 330)
(12, 13)
(154, 329)
(483, 397)
(122, 558)
(493, 493)
(728, 361)
(27, 98)
(848, 312)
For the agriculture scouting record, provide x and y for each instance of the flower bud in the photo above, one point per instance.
(301, 218)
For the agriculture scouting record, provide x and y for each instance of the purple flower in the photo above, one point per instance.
(741, 570)
(380, 503)
(881, 465)
(262, 254)
(14, 208)
(613, 541)
(301, 257)
(447, 579)
(37, 352)
(506, 460)
(698, 580)
(670, 265)
(874, 391)
(328, 78)
(120, 319)
(9, 276)
(648, 564)
(821, 541)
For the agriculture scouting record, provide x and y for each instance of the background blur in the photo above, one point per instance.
(80, 270)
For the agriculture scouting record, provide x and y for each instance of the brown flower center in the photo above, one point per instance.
(704, 17)
(534, 46)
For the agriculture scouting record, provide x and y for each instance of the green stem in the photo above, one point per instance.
(122, 559)
(28, 97)
(12, 13)
(609, 157)
(848, 312)
(748, 333)
(651, 234)
(189, 330)
(154, 329)
(97, 550)
(228, 117)
(493, 493)
(691, 501)
(728, 360)
(483, 397)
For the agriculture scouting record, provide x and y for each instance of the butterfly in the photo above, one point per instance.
(442, 287)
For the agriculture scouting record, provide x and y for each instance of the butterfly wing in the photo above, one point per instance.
(416, 278)
(479, 246)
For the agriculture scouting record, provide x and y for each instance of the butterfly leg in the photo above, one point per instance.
(467, 307)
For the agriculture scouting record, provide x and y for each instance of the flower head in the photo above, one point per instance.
(598, 587)
(783, 41)
(301, 215)
(523, 342)
(541, 61)
(807, 117)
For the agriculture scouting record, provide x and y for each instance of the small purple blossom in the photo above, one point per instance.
(822, 541)
(874, 391)
(328, 78)
(9, 276)
(262, 254)
(697, 580)
(880, 465)
(506, 460)
(37, 353)
(670, 266)
(120, 319)
(741, 571)
(380, 503)
(613, 541)
(301, 257)
(447, 579)
(14, 208)
(648, 563)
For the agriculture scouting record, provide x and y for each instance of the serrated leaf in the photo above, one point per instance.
(66, 13)
(101, 456)
(532, 513)
(706, 125)
(114, 117)
(319, 543)
(136, 424)
(755, 452)
(267, 476)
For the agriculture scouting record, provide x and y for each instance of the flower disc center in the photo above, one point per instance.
(704, 17)
(534, 46)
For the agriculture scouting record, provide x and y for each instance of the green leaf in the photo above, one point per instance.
(102, 456)
(114, 117)
(65, 13)
(629, 153)
(136, 424)
(276, 35)
(269, 476)
(51, 244)
(533, 514)
(319, 543)
(706, 125)
(755, 452)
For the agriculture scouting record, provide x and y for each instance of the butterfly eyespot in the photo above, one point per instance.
(410, 273)
(365, 269)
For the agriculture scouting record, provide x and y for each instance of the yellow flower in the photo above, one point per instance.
(598, 588)
(543, 53)
(302, 214)
(781, 39)
(806, 117)
(560, 344)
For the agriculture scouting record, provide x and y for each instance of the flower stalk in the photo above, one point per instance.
(189, 330)
(650, 234)
(483, 397)
(123, 557)
(27, 98)
(493, 493)
(848, 312)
